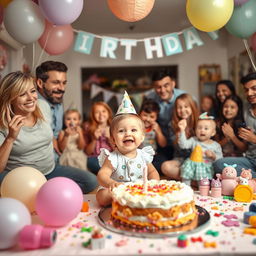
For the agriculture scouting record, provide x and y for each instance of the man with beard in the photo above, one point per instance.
(246, 133)
(51, 79)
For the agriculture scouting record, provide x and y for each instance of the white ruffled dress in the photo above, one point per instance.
(127, 169)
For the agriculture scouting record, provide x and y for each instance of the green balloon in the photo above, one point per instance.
(243, 20)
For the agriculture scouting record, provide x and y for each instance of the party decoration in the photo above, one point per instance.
(4, 3)
(61, 12)
(28, 24)
(59, 201)
(243, 20)
(126, 106)
(209, 15)
(131, 10)
(240, 2)
(56, 39)
(13, 217)
(23, 183)
(1, 14)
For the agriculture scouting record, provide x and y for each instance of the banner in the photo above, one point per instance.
(160, 46)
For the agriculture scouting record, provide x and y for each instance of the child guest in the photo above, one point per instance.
(126, 162)
(96, 133)
(71, 141)
(205, 130)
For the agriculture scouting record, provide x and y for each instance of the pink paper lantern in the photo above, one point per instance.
(131, 10)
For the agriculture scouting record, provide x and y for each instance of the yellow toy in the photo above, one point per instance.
(243, 193)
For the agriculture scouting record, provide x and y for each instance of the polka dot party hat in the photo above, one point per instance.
(126, 106)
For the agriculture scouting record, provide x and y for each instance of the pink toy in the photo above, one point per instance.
(59, 201)
(204, 187)
(216, 188)
(36, 236)
(228, 179)
(248, 175)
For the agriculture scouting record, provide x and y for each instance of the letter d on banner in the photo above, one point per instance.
(84, 42)
(171, 44)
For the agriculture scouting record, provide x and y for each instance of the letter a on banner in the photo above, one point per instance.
(108, 46)
(84, 42)
(192, 37)
(171, 44)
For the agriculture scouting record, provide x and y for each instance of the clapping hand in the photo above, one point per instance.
(228, 131)
(247, 134)
(182, 124)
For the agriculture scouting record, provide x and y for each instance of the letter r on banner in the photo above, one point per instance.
(84, 42)
(108, 46)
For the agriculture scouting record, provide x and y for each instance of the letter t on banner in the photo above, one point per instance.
(84, 42)
(128, 47)
(150, 48)
(192, 37)
(108, 46)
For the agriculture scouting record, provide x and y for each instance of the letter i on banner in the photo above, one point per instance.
(84, 42)
(172, 44)
(192, 37)
(108, 47)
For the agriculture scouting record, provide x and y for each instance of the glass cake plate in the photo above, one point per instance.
(104, 218)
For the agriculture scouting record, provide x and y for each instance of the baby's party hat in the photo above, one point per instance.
(126, 106)
(197, 154)
(204, 116)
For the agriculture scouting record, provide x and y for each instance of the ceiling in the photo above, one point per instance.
(167, 16)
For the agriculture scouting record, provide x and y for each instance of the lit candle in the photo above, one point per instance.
(145, 179)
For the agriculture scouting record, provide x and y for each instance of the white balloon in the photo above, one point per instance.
(13, 217)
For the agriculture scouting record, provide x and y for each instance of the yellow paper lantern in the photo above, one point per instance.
(209, 15)
(131, 10)
(197, 154)
(4, 3)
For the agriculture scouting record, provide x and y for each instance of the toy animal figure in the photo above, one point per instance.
(216, 188)
(243, 181)
(228, 179)
(247, 173)
(204, 187)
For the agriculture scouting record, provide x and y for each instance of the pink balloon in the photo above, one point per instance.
(253, 42)
(240, 2)
(35, 1)
(56, 39)
(59, 201)
(61, 12)
(1, 14)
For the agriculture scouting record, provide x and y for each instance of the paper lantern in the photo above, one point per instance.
(131, 10)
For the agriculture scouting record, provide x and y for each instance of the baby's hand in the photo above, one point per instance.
(114, 184)
(210, 154)
(182, 124)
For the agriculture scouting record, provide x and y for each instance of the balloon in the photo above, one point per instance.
(1, 14)
(56, 39)
(59, 201)
(61, 12)
(23, 183)
(13, 217)
(4, 3)
(23, 21)
(131, 10)
(240, 2)
(253, 42)
(242, 23)
(209, 15)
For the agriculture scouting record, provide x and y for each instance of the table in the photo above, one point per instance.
(230, 241)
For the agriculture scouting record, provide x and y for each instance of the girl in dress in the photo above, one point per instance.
(71, 141)
(231, 119)
(184, 108)
(198, 167)
(96, 133)
(127, 161)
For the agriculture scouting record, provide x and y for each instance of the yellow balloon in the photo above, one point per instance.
(209, 15)
(23, 183)
(4, 3)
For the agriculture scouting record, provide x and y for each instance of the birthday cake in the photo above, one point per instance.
(164, 205)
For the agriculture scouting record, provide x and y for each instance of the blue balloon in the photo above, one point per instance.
(243, 20)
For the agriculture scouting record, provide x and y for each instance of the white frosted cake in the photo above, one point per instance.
(165, 205)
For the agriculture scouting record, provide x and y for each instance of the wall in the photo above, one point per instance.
(212, 52)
